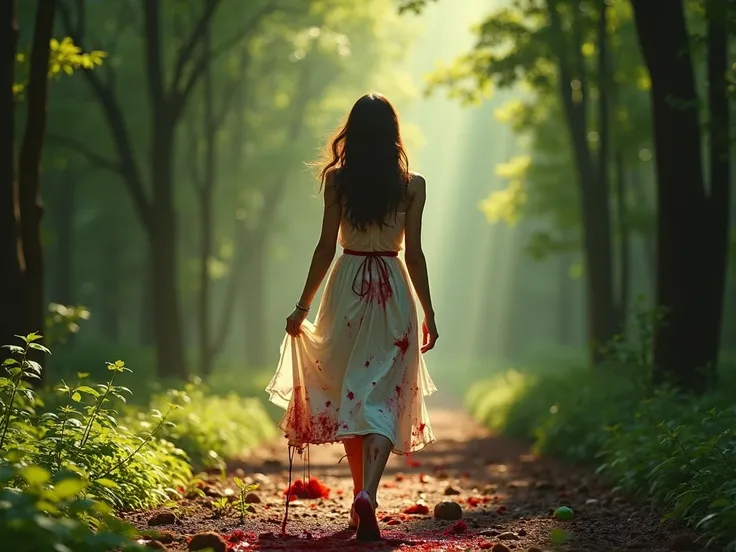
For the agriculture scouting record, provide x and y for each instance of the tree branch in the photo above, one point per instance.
(186, 52)
(180, 95)
(112, 110)
(96, 159)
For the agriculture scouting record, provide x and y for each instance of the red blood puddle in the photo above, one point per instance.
(417, 509)
(313, 489)
(458, 529)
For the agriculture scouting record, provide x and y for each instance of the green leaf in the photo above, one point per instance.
(108, 483)
(69, 488)
(76, 396)
(35, 475)
(88, 390)
(39, 347)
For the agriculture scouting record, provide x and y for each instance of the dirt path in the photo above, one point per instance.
(507, 497)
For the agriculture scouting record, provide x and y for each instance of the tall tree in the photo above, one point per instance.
(10, 259)
(690, 246)
(29, 167)
(154, 197)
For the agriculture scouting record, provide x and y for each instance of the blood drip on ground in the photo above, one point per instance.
(458, 528)
(417, 509)
(313, 489)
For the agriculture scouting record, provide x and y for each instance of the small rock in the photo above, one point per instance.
(543, 486)
(211, 540)
(682, 542)
(591, 502)
(266, 536)
(498, 547)
(252, 498)
(162, 518)
(489, 533)
(451, 491)
(239, 473)
(449, 511)
(508, 536)
(156, 545)
(534, 549)
(521, 532)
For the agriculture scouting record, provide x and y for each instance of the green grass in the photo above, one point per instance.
(676, 450)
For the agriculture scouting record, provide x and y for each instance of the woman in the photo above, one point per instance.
(357, 375)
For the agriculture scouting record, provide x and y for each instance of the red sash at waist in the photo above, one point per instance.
(363, 283)
(371, 253)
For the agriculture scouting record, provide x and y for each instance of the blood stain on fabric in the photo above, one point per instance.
(351, 395)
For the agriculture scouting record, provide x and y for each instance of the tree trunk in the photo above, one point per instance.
(145, 315)
(29, 178)
(110, 270)
(11, 261)
(648, 239)
(205, 211)
(624, 241)
(594, 200)
(682, 344)
(165, 300)
(566, 303)
(719, 203)
(254, 307)
(162, 222)
(63, 288)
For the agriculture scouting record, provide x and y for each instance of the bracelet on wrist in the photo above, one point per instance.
(301, 308)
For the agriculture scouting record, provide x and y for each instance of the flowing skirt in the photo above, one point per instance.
(358, 369)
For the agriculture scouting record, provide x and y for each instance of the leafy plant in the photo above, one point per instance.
(39, 511)
(244, 488)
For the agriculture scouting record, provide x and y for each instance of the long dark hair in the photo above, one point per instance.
(369, 162)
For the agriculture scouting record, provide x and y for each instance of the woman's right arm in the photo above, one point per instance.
(415, 260)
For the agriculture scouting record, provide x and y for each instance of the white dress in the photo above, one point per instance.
(358, 369)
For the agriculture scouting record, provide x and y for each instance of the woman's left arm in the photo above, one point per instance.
(322, 258)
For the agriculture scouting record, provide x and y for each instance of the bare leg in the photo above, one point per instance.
(376, 450)
(354, 452)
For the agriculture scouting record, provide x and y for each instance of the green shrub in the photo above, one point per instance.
(211, 428)
(39, 512)
(83, 434)
(677, 450)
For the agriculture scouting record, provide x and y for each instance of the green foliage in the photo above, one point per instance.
(83, 434)
(39, 511)
(518, 46)
(69, 460)
(62, 321)
(65, 58)
(679, 451)
(415, 6)
(212, 428)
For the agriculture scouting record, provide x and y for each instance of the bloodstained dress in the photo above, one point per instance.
(358, 369)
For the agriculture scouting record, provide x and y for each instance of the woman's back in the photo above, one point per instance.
(388, 237)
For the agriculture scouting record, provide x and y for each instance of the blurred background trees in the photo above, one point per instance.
(171, 169)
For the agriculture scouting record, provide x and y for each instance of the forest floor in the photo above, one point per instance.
(506, 494)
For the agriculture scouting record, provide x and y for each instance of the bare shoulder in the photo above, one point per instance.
(417, 180)
(417, 186)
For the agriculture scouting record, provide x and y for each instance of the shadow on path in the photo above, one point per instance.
(507, 496)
